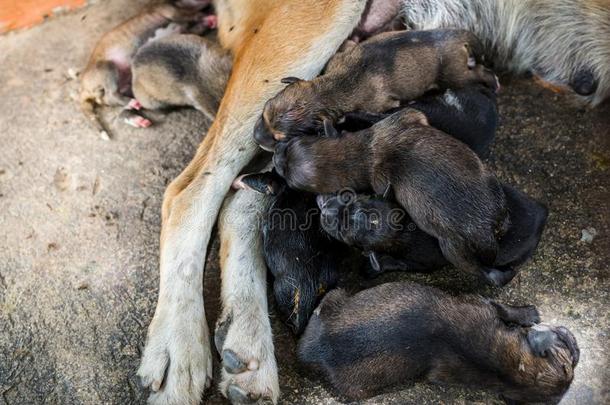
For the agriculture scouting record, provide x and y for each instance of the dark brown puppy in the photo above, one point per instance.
(437, 179)
(375, 76)
(388, 236)
(398, 332)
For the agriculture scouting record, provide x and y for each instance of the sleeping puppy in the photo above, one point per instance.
(375, 76)
(181, 70)
(469, 114)
(303, 259)
(421, 332)
(438, 180)
(390, 239)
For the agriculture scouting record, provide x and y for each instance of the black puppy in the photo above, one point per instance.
(469, 114)
(301, 256)
(421, 332)
(382, 230)
(392, 241)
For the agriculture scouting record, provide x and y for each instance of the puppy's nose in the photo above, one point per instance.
(263, 137)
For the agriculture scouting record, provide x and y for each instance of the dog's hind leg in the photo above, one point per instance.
(277, 39)
(243, 335)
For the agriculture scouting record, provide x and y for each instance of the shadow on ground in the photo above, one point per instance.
(79, 220)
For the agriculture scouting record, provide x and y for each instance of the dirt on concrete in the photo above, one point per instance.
(79, 226)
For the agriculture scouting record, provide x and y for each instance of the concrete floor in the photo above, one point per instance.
(80, 224)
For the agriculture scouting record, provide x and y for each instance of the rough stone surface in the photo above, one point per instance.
(80, 224)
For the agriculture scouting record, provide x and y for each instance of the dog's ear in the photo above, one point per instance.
(413, 116)
(267, 183)
(290, 80)
(329, 129)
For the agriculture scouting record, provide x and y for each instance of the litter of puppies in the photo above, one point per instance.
(382, 152)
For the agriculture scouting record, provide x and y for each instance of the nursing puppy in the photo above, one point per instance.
(106, 80)
(565, 42)
(375, 76)
(437, 179)
(388, 236)
(420, 332)
(469, 114)
(303, 259)
(181, 70)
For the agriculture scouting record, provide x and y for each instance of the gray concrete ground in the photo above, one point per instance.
(79, 225)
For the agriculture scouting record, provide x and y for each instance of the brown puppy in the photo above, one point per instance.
(181, 70)
(438, 180)
(374, 76)
(397, 332)
(107, 78)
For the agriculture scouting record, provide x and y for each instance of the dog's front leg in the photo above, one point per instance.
(243, 332)
(284, 38)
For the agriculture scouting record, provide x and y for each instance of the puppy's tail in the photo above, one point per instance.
(89, 108)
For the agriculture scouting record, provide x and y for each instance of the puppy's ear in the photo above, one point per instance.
(329, 129)
(265, 183)
(290, 80)
(413, 116)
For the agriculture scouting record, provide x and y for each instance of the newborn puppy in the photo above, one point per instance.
(304, 261)
(469, 114)
(420, 332)
(387, 235)
(375, 76)
(181, 70)
(382, 230)
(438, 180)
(107, 78)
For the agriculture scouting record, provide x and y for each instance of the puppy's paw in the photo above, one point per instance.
(249, 373)
(177, 361)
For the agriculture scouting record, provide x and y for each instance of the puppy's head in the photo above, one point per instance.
(545, 358)
(269, 183)
(360, 220)
(294, 111)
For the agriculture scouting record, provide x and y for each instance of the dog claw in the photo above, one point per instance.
(221, 333)
(232, 363)
(238, 396)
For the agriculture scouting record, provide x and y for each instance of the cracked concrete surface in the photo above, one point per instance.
(79, 220)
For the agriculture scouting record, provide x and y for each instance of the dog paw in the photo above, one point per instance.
(177, 361)
(245, 345)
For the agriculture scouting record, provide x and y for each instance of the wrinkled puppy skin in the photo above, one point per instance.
(419, 332)
(302, 258)
(181, 70)
(387, 235)
(438, 180)
(379, 74)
